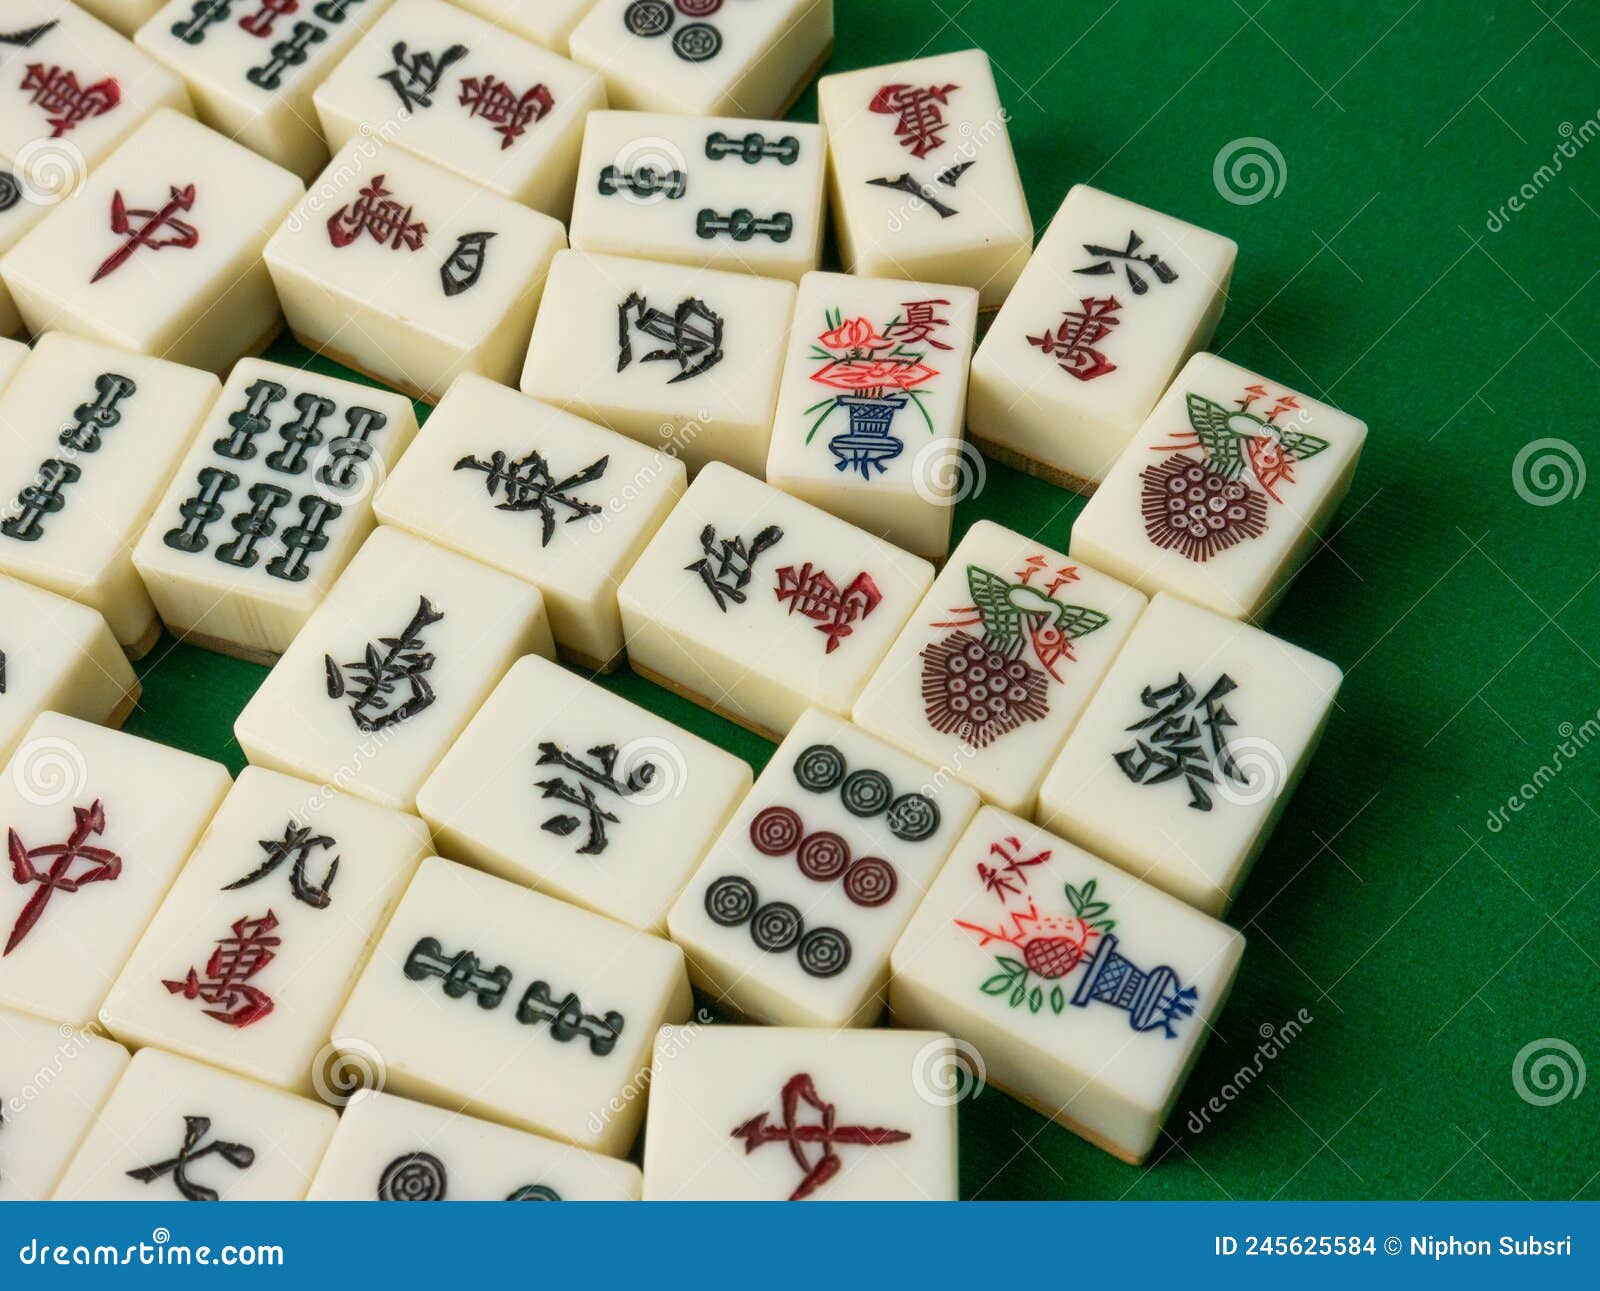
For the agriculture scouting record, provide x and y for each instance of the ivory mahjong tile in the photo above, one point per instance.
(160, 250)
(251, 67)
(393, 1149)
(791, 917)
(409, 273)
(22, 205)
(870, 411)
(488, 998)
(549, 22)
(718, 193)
(390, 667)
(788, 1113)
(91, 435)
(685, 360)
(256, 947)
(563, 786)
(98, 824)
(1190, 750)
(127, 16)
(73, 89)
(269, 505)
(998, 661)
(462, 93)
(759, 605)
(703, 56)
(923, 182)
(12, 354)
(540, 494)
(1115, 298)
(1014, 953)
(1224, 492)
(56, 1079)
(178, 1130)
(57, 656)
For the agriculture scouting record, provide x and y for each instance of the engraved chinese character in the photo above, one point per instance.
(1072, 344)
(691, 335)
(728, 564)
(1184, 738)
(247, 949)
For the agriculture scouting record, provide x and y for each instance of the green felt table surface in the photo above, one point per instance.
(1391, 274)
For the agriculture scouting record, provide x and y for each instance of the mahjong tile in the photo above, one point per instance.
(759, 605)
(686, 360)
(1115, 298)
(1190, 750)
(407, 272)
(923, 181)
(717, 193)
(11, 355)
(127, 16)
(549, 22)
(59, 656)
(998, 661)
(251, 65)
(791, 917)
(460, 92)
(257, 945)
(1084, 992)
(89, 437)
(704, 56)
(488, 998)
(393, 1149)
(870, 411)
(785, 1113)
(72, 88)
(22, 205)
(270, 504)
(559, 784)
(53, 1081)
(160, 250)
(1224, 492)
(384, 675)
(97, 824)
(540, 494)
(178, 1130)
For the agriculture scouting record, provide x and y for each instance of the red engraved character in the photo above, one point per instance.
(824, 1134)
(813, 593)
(156, 229)
(509, 112)
(375, 213)
(66, 103)
(242, 954)
(101, 866)
(1073, 343)
(918, 109)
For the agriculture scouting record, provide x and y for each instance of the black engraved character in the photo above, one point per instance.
(461, 973)
(202, 510)
(206, 14)
(286, 54)
(647, 181)
(298, 842)
(195, 1128)
(302, 434)
(388, 664)
(41, 499)
(246, 423)
(303, 540)
(10, 191)
(912, 187)
(742, 224)
(464, 266)
(728, 563)
(1184, 738)
(415, 77)
(1164, 272)
(348, 453)
(528, 485)
(753, 148)
(602, 773)
(567, 1019)
(413, 1176)
(253, 526)
(99, 414)
(692, 334)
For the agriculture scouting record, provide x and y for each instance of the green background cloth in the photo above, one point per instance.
(1390, 277)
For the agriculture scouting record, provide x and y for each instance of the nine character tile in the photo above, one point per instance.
(716, 193)
(759, 605)
(791, 917)
(923, 181)
(559, 784)
(488, 998)
(998, 661)
(400, 269)
(387, 671)
(540, 494)
(870, 411)
(685, 360)
(1190, 750)
(1087, 993)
